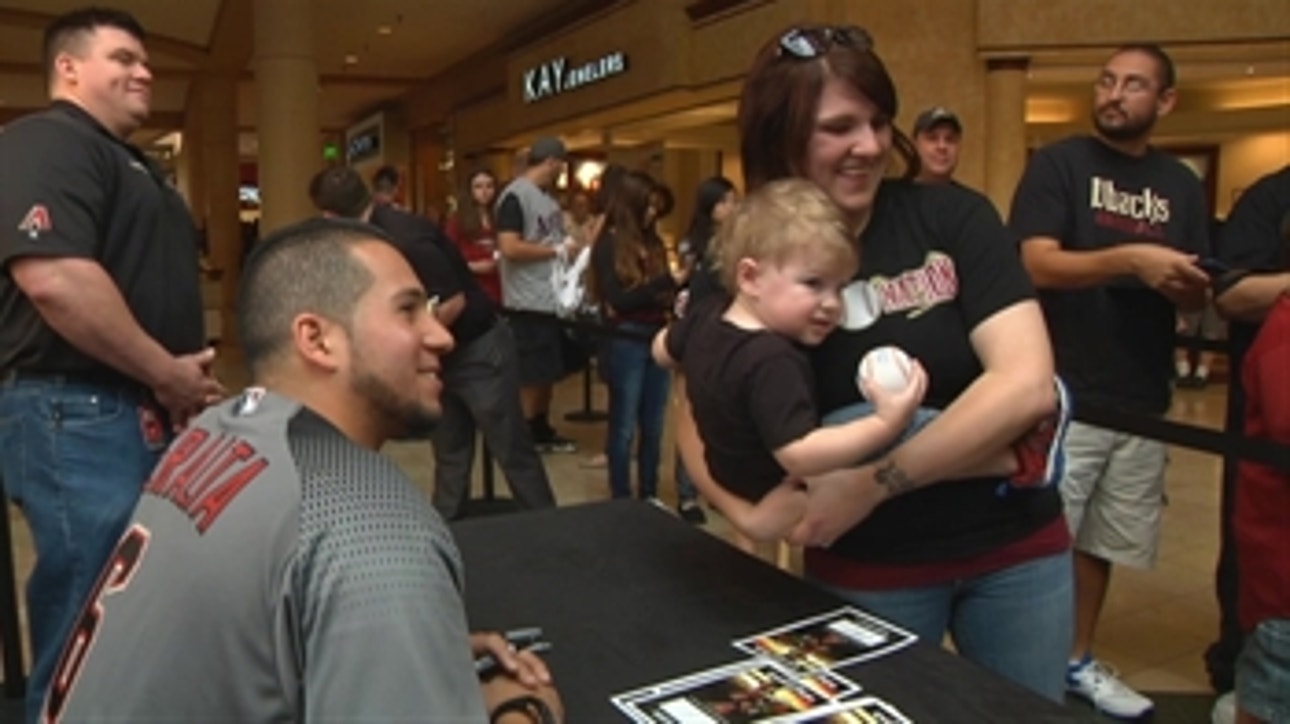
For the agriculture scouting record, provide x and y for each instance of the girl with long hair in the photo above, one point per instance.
(631, 279)
(471, 229)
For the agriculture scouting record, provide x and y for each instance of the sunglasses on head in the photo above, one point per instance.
(808, 43)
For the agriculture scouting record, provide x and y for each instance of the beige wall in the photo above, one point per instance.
(1245, 160)
(935, 50)
(1006, 24)
(652, 33)
(933, 62)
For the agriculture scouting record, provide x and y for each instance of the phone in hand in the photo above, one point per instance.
(1213, 267)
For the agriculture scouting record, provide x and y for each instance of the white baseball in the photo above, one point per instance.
(887, 366)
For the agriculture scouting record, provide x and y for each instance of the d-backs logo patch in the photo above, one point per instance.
(36, 222)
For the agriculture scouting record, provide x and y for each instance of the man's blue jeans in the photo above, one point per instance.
(638, 390)
(73, 457)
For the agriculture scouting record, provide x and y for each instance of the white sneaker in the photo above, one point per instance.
(1224, 711)
(1098, 683)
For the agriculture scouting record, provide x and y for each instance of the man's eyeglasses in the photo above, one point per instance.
(808, 43)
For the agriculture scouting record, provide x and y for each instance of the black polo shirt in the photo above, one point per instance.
(440, 267)
(69, 188)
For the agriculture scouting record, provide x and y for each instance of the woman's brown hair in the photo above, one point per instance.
(782, 91)
(638, 254)
(470, 216)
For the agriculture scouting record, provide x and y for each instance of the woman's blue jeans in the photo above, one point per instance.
(638, 390)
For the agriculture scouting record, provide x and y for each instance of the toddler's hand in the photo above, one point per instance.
(897, 408)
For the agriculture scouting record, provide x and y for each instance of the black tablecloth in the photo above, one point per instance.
(630, 596)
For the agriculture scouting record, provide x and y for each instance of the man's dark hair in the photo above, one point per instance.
(306, 267)
(340, 190)
(385, 180)
(1165, 74)
(665, 199)
(69, 30)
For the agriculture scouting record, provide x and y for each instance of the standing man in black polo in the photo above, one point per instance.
(101, 341)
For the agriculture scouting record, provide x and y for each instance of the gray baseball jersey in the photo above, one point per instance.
(527, 284)
(273, 571)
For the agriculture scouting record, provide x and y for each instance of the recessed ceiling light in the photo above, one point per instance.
(384, 30)
(351, 59)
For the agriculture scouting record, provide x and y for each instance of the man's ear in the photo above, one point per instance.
(317, 341)
(1165, 103)
(65, 68)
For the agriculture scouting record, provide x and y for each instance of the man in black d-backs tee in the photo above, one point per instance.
(1111, 231)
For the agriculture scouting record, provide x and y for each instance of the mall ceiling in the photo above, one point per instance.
(372, 52)
(368, 53)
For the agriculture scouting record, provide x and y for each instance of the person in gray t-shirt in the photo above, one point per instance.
(277, 567)
(530, 239)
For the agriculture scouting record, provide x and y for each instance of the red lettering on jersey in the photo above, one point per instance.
(231, 451)
(115, 578)
(183, 494)
(202, 474)
(36, 221)
(212, 505)
(181, 451)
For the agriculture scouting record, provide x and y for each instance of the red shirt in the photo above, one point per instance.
(1262, 493)
(478, 246)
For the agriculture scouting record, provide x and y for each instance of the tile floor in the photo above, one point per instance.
(1156, 624)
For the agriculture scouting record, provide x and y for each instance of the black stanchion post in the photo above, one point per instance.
(587, 414)
(15, 681)
(486, 461)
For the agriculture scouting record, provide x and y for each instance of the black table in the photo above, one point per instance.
(630, 596)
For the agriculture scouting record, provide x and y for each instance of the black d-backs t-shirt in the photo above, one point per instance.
(935, 261)
(751, 394)
(1114, 342)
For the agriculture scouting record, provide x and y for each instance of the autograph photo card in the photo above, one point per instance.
(861, 711)
(740, 693)
(840, 638)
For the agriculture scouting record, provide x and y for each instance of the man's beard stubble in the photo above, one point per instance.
(408, 418)
(1129, 131)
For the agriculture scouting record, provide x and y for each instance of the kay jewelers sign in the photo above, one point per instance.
(556, 76)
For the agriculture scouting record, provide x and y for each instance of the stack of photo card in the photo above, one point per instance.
(790, 678)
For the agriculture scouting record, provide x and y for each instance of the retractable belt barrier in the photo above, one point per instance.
(1223, 444)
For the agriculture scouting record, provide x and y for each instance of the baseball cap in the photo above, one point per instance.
(547, 147)
(934, 116)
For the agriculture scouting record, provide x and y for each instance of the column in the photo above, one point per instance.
(683, 170)
(286, 102)
(219, 154)
(1005, 91)
(188, 166)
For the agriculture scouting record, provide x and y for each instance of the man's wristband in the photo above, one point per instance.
(528, 704)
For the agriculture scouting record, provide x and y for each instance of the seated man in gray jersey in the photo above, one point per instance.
(277, 567)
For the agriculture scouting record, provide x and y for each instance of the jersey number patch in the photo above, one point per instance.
(115, 578)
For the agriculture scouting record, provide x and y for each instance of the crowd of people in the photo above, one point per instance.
(266, 531)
